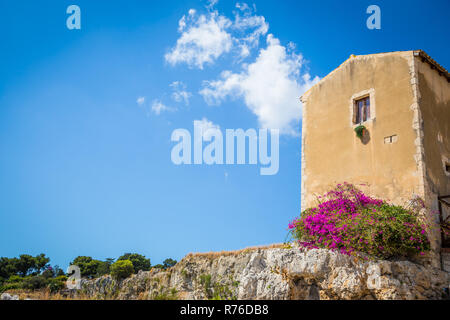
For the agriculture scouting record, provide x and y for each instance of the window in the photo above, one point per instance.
(361, 110)
(362, 107)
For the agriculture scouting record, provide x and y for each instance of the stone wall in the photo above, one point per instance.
(277, 273)
(446, 261)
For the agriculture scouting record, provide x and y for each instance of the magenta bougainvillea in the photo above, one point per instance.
(351, 222)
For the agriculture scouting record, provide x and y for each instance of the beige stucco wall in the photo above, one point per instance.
(331, 151)
(434, 103)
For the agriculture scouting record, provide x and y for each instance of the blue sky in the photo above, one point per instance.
(86, 116)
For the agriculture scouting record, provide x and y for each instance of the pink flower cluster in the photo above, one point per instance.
(349, 221)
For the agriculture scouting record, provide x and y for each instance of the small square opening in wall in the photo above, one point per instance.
(390, 139)
(446, 165)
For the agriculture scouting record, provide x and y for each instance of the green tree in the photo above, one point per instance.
(25, 264)
(168, 263)
(58, 271)
(122, 269)
(41, 262)
(104, 267)
(139, 261)
(48, 273)
(88, 266)
(8, 267)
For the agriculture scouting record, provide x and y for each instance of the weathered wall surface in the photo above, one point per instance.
(333, 153)
(434, 103)
(446, 261)
(434, 110)
(277, 274)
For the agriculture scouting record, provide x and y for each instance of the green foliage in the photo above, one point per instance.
(41, 262)
(122, 269)
(48, 273)
(7, 268)
(88, 266)
(216, 290)
(351, 222)
(10, 286)
(140, 262)
(15, 279)
(58, 271)
(360, 131)
(205, 280)
(34, 282)
(14, 282)
(104, 267)
(32, 273)
(91, 268)
(222, 292)
(56, 284)
(172, 294)
(24, 265)
(169, 262)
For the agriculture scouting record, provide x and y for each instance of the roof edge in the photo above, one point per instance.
(434, 65)
(416, 53)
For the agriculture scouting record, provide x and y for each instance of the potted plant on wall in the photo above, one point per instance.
(360, 131)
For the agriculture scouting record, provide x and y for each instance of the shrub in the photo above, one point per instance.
(15, 279)
(122, 269)
(140, 262)
(104, 267)
(351, 222)
(34, 282)
(56, 284)
(48, 273)
(88, 266)
(169, 263)
(10, 286)
(14, 282)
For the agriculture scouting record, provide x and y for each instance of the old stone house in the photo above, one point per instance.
(403, 101)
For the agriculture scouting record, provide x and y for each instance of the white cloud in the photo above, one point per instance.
(182, 24)
(206, 37)
(203, 39)
(270, 86)
(250, 26)
(158, 107)
(179, 93)
(212, 3)
(204, 126)
(140, 101)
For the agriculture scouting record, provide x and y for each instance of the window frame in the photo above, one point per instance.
(360, 109)
(370, 94)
